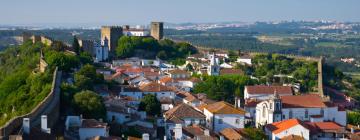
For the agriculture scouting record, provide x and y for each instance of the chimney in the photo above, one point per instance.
(352, 130)
(101, 120)
(178, 132)
(206, 132)
(165, 138)
(222, 138)
(145, 136)
(26, 125)
(44, 122)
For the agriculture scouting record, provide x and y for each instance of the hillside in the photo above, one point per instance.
(20, 88)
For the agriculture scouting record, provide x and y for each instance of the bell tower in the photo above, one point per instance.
(277, 107)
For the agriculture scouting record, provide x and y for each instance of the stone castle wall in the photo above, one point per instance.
(49, 106)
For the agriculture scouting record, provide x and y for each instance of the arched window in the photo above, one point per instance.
(264, 112)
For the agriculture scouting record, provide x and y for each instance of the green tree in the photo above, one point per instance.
(150, 104)
(64, 61)
(76, 46)
(89, 104)
(87, 77)
(254, 134)
(353, 117)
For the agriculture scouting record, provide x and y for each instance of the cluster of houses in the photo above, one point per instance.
(184, 115)
(277, 110)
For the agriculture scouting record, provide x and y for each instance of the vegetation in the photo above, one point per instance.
(150, 104)
(89, 104)
(289, 70)
(254, 134)
(87, 77)
(353, 117)
(150, 48)
(21, 90)
(224, 87)
(76, 46)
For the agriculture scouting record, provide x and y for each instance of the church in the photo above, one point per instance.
(309, 107)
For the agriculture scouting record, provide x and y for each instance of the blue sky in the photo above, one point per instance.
(175, 11)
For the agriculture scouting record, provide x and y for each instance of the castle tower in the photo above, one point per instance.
(112, 33)
(214, 68)
(157, 30)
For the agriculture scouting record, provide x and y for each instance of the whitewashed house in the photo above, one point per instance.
(291, 127)
(90, 128)
(184, 115)
(222, 115)
(309, 107)
(151, 88)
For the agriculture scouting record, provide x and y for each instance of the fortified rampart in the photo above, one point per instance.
(50, 106)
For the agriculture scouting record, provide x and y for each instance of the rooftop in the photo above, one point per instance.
(302, 101)
(262, 89)
(223, 108)
(183, 111)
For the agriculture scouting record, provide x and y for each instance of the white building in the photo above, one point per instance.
(262, 92)
(101, 51)
(222, 115)
(138, 31)
(303, 107)
(291, 127)
(184, 115)
(213, 68)
(151, 88)
(244, 60)
(307, 130)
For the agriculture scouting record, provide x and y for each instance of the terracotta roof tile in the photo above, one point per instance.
(302, 101)
(231, 134)
(261, 89)
(292, 137)
(278, 127)
(223, 108)
(183, 111)
(226, 71)
(177, 71)
(154, 87)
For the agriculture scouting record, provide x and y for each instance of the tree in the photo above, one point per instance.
(150, 104)
(89, 104)
(64, 61)
(189, 67)
(353, 117)
(254, 134)
(86, 77)
(76, 46)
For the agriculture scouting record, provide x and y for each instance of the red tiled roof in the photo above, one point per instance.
(223, 108)
(261, 89)
(278, 127)
(302, 101)
(165, 79)
(177, 71)
(251, 103)
(154, 87)
(231, 134)
(225, 71)
(183, 111)
(316, 127)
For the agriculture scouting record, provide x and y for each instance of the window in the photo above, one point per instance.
(306, 113)
(271, 105)
(322, 112)
(237, 121)
(220, 121)
(264, 112)
(290, 114)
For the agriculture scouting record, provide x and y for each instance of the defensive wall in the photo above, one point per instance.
(50, 106)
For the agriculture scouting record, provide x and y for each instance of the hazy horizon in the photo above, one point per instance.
(142, 12)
